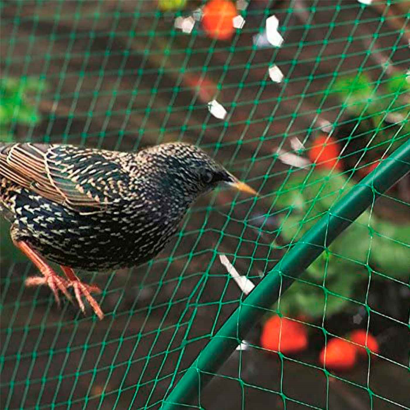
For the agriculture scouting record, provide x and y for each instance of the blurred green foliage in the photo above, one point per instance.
(369, 102)
(370, 246)
(16, 107)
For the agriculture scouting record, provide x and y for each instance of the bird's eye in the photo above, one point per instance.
(207, 177)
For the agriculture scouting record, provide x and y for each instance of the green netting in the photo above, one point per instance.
(328, 83)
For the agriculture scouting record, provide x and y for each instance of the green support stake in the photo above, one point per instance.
(310, 246)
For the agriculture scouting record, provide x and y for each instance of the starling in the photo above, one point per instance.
(99, 210)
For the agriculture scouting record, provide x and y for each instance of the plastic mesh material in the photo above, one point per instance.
(327, 84)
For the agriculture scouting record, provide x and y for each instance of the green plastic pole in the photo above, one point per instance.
(306, 250)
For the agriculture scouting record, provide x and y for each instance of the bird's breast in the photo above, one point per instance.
(119, 236)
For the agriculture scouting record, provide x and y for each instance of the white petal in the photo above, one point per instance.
(275, 74)
(272, 23)
(238, 21)
(185, 24)
(178, 22)
(188, 24)
(367, 2)
(272, 33)
(292, 159)
(243, 282)
(217, 110)
(326, 126)
(296, 144)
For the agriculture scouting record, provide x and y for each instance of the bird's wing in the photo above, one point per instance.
(84, 180)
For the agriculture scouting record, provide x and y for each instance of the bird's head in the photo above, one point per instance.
(188, 170)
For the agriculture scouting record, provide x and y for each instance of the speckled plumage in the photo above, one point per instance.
(101, 210)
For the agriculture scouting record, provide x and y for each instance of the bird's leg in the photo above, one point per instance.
(81, 289)
(50, 278)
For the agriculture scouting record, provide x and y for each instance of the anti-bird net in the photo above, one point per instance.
(300, 99)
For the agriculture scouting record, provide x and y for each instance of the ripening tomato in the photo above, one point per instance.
(217, 19)
(338, 355)
(365, 339)
(284, 335)
(325, 153)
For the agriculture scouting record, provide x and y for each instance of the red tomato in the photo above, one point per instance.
(362, 338)
(284, 335)
(338, 355)
(217, 19)
(325, 153)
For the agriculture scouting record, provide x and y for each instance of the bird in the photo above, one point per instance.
(98, 210)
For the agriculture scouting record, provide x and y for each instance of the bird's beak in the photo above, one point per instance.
(241, 186)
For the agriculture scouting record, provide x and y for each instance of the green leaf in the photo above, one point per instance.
(290, 195)
(14, 105)
(391, 249)
(325, 266)
(35, 85)
(302, 298)
(311, 299)
(398, 83)
(315, 193)
(6, 137)
(354, 244)
(356, 85)
(356, 92)
(5, 117)
(291, 227)
(344, 266)
(27, 115)
(325, 188)
(9, 84)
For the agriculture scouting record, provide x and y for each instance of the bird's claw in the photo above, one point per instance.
(81, 289)
(54, 282)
